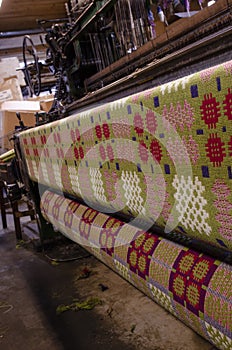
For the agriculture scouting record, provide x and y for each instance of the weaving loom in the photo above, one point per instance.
(161, 158)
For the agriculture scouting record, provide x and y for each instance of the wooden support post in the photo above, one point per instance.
(3, 208)
(18, 230)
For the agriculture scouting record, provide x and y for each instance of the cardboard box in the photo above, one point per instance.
(10, 90)
(21, 106)
(46, 105)
(10, 67)
(9, 121)
(45, 101)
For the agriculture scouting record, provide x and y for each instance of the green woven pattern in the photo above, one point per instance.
(194, 287)
(162, 156)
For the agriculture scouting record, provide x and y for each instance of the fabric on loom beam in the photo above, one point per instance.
(162, 156)
(194, 287)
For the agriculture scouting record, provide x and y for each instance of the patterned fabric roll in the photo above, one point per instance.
(162, 157)
(194, 287)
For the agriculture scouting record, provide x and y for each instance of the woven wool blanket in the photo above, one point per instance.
(194, 287)
(162, 156)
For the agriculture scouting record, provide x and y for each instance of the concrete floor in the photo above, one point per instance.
(31, 288)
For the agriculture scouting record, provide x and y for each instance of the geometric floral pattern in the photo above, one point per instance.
(218, 294)
(34, 168)
(122, 270)
(44, 171)
(215, 150)
(224, 208)
(109, 231)
(192, 148)
(210, 111)
(86, 222)
(112, 155)
(219, 339)
(97, 184)
(196, 288)
(57, 175)
(140, 252)
(161, 298)
(179, 116)
(189, 279)
(191, 203)
(132, 191)
(227, 104)
(73, 174)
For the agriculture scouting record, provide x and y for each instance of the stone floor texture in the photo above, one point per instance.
(33, 286)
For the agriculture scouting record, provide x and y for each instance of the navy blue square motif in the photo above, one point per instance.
(205, 171)
(129, 109)
(156, 101)
(194, 91)
(167, 169)
(218, 80)
(229, 172)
